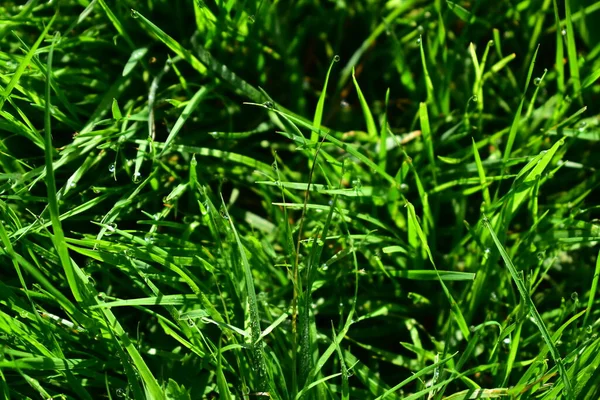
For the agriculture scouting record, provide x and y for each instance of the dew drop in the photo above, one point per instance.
(574, 296)
(268, 104)
(404, 188)
(563, 32)
(506, 341)
(486, 253)
(588, 329)
(344, 104)
(491, 43)
(137, 177)
(251, 19)
(537, 81)
(336, 58)
(418, 40)
(149, 238)
(475, 99)
(121, 392)
(111, 168)
(134, 14)
(541, 256)
(582, 125)
(110, 228)
(420, 28)
(324, 267)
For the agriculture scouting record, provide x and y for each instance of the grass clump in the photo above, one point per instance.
(256, 200)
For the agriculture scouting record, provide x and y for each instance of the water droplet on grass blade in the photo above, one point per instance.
(537, 81)
(111, 168)
(137, 177)
(110, 228)
(336, 58)
(563, 32)
(134, 14)
(419, 40)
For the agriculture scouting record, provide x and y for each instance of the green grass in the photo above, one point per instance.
(316, 200)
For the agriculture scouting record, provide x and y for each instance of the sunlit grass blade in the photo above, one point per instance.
(371, 128)
(532, 310)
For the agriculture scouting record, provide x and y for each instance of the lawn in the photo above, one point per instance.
(310, 199)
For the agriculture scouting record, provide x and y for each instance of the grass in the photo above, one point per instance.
(314, 200)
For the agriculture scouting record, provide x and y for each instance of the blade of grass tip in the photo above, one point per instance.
(588, 311)
(482, 178)
(256, 351)
(517, 119)
(498, 46)
(426, 131)
(187, 111)
(318, 118)
(383, 134)
(532, 310)
(58, 238)
(371, 129)
(572, 52)
(24, 64)
(428, 81)
(116, 111)
(460, 319)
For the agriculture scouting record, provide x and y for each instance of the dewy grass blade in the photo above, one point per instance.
(517, 118)
(59, 237)
(532, 310)
(258, 358)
